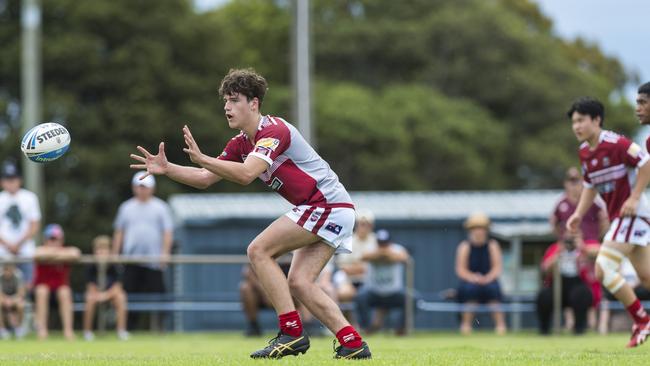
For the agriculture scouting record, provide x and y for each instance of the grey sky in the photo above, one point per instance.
(618, 27)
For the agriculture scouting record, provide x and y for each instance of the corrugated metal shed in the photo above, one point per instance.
(499, 205)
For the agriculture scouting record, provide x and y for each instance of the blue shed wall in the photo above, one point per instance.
(432, 244)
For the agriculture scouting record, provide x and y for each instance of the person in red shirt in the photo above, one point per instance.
(616, 169)
(595, 222)
(580, 289)
(52, 275)
(319, 225)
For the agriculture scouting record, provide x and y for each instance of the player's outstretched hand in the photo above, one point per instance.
(192, 148)
(629, 207)
(153, 164)
(573, 224)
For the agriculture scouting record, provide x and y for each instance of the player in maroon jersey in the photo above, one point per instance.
(618, 170)
(319, 225)
(643, 108)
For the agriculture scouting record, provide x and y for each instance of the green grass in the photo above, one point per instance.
(421, 349)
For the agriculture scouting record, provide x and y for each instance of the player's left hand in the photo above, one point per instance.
(192, 148)
(629, 207)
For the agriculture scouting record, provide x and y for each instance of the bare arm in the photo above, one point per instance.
(643, 177)
(241, 173)
(462, 270)
(168, 240)
(118, 236)
(34, 226)
(57, 254)
(586, 200)
(496, 261)
(159, 165)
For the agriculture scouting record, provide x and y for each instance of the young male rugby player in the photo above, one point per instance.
(618, 170)
(643, 108)
(319, 225)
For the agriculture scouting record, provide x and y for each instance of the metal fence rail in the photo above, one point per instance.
(184, 305)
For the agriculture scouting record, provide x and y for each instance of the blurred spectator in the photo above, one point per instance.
(363, 240)
(111, 290)
(253, 297)
(52, 275)
(384, 288)
(593, 227)
(12, 301)
(580, 288)
(20, 219)
(144, 227)
(595, 223)
(479, 265)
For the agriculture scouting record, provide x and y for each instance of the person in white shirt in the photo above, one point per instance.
(20, 219)
(384, 288)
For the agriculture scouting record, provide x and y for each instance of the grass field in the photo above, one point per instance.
(421, 349)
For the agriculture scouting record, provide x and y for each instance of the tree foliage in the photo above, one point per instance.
(465, 94)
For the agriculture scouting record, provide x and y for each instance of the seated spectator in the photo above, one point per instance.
(111, 291)
(52, 275)
(12, 302)
(574, 258)
(363, 240)
(253, 298)
(479, 265)
(384, 288)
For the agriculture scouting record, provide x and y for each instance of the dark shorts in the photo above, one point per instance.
(139, 279)
(479, 293)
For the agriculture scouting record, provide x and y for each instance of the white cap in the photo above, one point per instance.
(148, 181)
(366, 215)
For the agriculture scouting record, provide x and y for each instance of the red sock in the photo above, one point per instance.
(290, 323)
(349, 337)
(637, 312)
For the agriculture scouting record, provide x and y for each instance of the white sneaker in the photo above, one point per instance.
(4, 334)
(20, 332)
(89, 336)
(123, 335)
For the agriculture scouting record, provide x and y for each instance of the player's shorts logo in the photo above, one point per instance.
(333, 227)
(639, 233)
(314, 216)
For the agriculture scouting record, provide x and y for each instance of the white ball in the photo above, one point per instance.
(45, 142)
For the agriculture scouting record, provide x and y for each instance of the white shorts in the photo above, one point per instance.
(334, 224)
(631, 230)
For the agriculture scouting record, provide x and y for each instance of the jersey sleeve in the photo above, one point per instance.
(271, 142)
(232, 151)
(633, 154)
(586, 181)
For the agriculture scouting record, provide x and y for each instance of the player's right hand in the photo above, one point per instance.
(573, 224)
(153, 164)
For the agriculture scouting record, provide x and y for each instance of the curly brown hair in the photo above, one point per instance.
(244, 81)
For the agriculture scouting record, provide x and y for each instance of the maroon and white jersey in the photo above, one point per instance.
(590, 225)
(295, 170)
(610, 168)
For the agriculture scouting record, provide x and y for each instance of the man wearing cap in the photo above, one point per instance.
(478, 266)
(143, 227)
(20, 219)
(384, 288)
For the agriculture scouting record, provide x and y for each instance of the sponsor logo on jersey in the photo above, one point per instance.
(268, 143)
(634, 150)
(594, 162)
(606, 161)
(333, 227)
